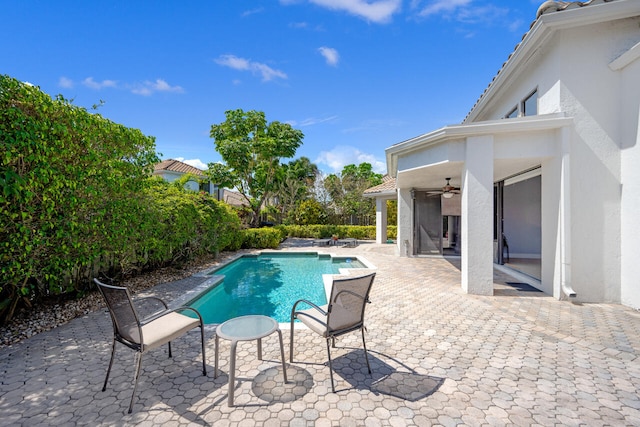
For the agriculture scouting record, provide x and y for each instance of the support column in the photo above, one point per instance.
(381, 220)
(405, 222)
(477, 216)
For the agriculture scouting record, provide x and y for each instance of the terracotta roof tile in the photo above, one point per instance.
(388, 184)
(234, 198)
(176, 166)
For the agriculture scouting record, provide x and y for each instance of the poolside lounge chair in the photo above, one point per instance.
(348, 242)
(343, 314)
(321, 242)
(146, 334)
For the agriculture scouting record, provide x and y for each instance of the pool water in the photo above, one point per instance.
(268, 284)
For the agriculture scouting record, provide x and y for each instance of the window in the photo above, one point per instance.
(530, 104)
(528, 107)
(512, 114)
(206, 187)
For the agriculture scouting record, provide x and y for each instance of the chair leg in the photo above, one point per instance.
(284, 367)
(366, 354)
(291, 343)
(215, 360)
(137, 375)
(204, 363)
(113, 352)
(333, 387)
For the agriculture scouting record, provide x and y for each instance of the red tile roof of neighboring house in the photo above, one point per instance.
(233, 198)
(388, 185)
(176, 166)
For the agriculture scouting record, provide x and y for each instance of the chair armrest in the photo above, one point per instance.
(149, 306)
(293, 310)
(172, 310)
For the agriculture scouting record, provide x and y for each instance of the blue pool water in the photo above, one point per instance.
(268, 284)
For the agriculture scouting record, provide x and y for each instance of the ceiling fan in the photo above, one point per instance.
(447, 191)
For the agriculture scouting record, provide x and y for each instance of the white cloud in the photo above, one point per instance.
(340, 156)
(90, 83)
(486, 14)
(379, 11)
(196, 163)
(330, 55)
(65, 82)
(252, 11)
(467, 13)
(242, 64)
(148, 88)
(311, 121)
(443, 6)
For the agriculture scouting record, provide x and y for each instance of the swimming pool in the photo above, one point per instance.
(269, 284)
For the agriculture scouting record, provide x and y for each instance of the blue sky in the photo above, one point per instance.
(355, 76)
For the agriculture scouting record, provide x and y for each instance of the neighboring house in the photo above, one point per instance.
(544, 172)
(234, 198)
(171, 170)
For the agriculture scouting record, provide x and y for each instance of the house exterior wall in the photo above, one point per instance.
(630, 188)
(585, 65)
(174, 176)
(573, 76)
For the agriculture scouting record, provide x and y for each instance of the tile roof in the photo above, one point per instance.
(556, 6)
(550, 6)
(234, 198)
(176, 166)
(388, 185)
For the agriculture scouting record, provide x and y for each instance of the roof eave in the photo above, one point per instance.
(448, 133)
(388, 194)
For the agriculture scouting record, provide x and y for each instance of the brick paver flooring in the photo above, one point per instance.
(438, 356)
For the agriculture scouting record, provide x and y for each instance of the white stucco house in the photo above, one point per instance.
(548, 158)
(171, 170)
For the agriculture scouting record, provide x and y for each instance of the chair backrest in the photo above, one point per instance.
(349, 297)
(126, 323)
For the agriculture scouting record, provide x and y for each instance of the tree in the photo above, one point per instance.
(309, 212)
(347, 191)
(295, 185)
(252, 149)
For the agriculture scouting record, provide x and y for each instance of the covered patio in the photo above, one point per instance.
(477, 159)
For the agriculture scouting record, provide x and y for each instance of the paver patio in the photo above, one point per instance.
(438, 356)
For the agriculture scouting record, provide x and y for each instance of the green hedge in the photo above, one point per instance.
(182, 224)
(342, 231)
(261, 238)
(77, 201)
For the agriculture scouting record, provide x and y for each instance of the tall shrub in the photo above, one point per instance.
(183, 224)
(69, 187)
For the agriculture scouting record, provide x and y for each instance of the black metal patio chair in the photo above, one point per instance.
(142, 335)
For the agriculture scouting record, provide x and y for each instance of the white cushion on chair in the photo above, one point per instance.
(314, 319)
(166, 328)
